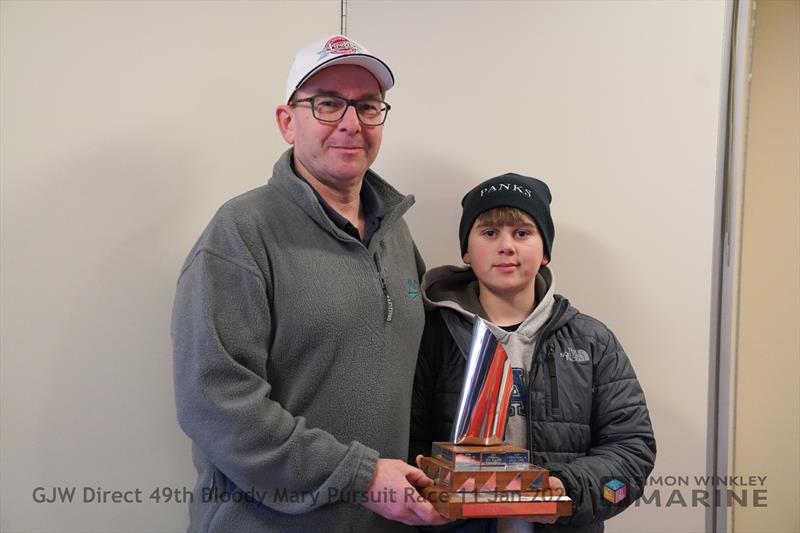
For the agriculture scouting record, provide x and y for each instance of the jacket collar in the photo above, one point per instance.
(393, 204)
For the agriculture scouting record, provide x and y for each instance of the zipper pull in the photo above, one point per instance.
(551, 368)
(551, 361)
(389, 304)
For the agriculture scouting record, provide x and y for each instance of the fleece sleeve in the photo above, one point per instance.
(623, 446)
(221, 331)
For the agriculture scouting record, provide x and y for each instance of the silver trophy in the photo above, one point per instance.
(477, 474)
(483, 405)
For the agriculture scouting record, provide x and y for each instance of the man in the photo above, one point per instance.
(297, 321)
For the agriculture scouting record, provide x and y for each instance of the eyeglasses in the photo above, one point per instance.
(370, 111)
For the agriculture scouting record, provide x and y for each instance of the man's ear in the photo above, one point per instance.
(545, 260)
(466, 258)
(284, 115)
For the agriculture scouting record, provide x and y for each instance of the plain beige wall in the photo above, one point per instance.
(126, 124)
(767, 432)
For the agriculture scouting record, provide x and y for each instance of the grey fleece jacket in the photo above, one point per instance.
(294, 354)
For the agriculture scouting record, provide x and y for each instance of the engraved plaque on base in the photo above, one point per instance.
(477, 475)
(495, 505)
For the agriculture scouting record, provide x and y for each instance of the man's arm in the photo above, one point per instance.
(221, 329)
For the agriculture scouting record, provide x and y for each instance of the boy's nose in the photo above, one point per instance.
(506, 244)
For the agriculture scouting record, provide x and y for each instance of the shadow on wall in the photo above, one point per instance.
(586, 272)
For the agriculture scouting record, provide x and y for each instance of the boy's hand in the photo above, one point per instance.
(404, 504)
(554, 490)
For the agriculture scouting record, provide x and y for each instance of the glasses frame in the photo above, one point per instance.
(348, 103)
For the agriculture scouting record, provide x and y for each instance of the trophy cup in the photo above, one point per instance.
(477, 475)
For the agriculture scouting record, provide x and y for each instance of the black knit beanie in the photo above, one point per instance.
(509, 190)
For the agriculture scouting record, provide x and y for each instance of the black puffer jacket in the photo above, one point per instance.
(587, 417)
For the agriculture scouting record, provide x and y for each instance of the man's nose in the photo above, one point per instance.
(350, 120)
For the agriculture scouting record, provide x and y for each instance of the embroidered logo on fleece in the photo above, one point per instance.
(412, 289)
(575, 356)
(338, 46)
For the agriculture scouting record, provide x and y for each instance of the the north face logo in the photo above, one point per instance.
(575, 356)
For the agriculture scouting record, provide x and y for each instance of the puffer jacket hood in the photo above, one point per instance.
(454, 291)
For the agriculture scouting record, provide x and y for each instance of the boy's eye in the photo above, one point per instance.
(489, 232)
(523, 233)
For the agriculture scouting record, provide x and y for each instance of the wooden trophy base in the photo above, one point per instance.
(489, 481)
(495, 504)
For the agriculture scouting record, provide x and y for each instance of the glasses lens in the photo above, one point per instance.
(371, 112)
(329, 108)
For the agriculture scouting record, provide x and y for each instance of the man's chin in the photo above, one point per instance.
(350, 170)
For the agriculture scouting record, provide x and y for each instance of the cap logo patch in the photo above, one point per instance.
(338, 46)
(506, 187)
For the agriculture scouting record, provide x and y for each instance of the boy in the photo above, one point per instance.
(576, 403)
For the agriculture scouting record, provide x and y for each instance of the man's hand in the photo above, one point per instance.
(554, 490)
(393, 494)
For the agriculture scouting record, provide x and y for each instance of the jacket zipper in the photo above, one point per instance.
(387, 299)
(558, 311)
(551, 369)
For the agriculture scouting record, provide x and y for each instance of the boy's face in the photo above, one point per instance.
(505, 257)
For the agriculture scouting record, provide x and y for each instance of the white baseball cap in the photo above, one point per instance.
(335, 50)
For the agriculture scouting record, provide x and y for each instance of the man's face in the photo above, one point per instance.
(333, 153)
(505, 258)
